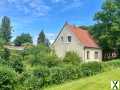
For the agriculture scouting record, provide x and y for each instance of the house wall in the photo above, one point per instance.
(63, 46)
(92, 54)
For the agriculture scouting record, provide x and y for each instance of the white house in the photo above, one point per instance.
(78, 40)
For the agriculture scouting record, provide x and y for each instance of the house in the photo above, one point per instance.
(78, 40)
(11, 47)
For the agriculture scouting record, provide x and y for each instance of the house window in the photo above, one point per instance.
(96, 55)
(61, 38)
(69, 38)
(88, 55)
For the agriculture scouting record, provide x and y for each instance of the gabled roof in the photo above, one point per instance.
(83, 35)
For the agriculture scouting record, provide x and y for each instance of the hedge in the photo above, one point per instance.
(7, 78)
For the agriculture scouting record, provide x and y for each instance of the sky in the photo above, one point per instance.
(32, 16)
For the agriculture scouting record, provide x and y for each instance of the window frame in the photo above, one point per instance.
(69, 38)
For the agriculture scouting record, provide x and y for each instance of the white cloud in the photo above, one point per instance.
(31, 7)
(58, 1)
(73, 4)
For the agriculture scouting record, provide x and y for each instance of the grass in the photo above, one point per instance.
(98, 82)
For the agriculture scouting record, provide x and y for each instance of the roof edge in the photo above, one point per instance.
(65, 24)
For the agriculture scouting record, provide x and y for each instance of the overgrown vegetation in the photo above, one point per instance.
(40, 67)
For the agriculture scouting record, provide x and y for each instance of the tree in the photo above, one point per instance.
(22, 39)
(107, 28)
(42, 39)
(6, 29)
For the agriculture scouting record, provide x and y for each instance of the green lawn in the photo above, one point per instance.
(99, 82)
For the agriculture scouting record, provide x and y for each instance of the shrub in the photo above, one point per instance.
(18, 66)
(72, 72)
(57, 75)
(16, 63)
(23, 76)
(72, 57)
(61, 74)
(32, 83)
(111, 64)
(43, 74)
(90, 68)
(41, 55)
(7, 78)
(2, 61)
(115, 63)
(6, 54)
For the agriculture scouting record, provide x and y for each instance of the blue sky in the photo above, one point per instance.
(31, 16)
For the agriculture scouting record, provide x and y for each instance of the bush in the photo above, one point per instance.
(111, 64)
(61, 74)
(18, 66)
(16, 63)
(2, 61)
(72, 57)
(41, 55)
(72, 72)
(7, 78)
(43, 74)
(91, 68)
(57, 75)
(6, 54)
(32, 83)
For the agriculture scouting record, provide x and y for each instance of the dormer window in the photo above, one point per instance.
(69, 38)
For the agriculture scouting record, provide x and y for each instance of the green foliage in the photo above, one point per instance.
(90, 83)
(5, 29)
(111, 65)
(42, 39)
(61, 74)
(107, 28)
(91, 68)
(72, 57)
(41, 72)
(22, 39)
(18, 66)
(16, 63)
(41, 55)
(32, 83)
(7, 78)
(5, 54)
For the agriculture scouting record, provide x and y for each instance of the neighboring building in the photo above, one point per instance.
(10, 47)
(72, 38)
